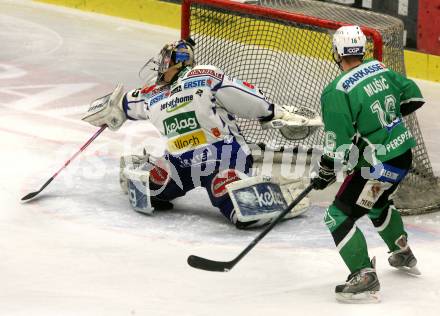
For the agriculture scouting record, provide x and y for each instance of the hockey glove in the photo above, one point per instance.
(294, 123)
(326, 175)
(107, 110)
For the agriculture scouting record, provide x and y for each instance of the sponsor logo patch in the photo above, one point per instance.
(156, 99)
(176, 90)
(361, 73)
(148, 89)
(160, 173)
(246, 84)
(259, 199)
(176, 103)
(156, 91)
(269, 197)
(187, 141)
(216, 132)
(98, 104)
(201, 72)
(197, 83)
(353, 50)
(223, 178)
(197, 158)
(371, 193)
(181, 123)
(398, 141)
(329, 220)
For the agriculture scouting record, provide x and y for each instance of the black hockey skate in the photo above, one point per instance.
(403, 258)
(361, 287)
(161, 205)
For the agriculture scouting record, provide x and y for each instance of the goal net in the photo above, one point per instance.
(284, 46)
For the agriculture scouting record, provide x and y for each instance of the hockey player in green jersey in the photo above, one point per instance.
(362, 110)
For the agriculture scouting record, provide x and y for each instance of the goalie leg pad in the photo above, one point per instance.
(129, 162)
(291, 188)
(139, 190)
(259, 200)
(137, 174)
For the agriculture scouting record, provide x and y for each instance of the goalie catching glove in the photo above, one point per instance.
(294, 123)
(107, 110)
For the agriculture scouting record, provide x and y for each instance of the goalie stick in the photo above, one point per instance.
(32, 195)
(225, 266)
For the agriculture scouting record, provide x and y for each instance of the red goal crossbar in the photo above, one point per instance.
(276, 14)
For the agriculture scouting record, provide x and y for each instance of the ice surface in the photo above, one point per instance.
(81, 250)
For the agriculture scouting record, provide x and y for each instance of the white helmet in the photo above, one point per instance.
(349, 41)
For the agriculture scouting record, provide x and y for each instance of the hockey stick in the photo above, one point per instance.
(225, 266)
(31, 195)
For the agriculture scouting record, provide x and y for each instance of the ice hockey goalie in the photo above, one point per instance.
(194, 109)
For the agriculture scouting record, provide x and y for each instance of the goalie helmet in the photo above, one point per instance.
(175, 56)
(349, 41)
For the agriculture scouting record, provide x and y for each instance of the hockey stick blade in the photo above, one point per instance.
(32, 195)
(225, 266)
(210, 265)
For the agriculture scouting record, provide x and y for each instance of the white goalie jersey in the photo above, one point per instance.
(196, 115)
(198, 108)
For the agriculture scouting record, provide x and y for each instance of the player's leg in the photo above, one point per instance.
(362, 283)
(389, 225)
(348, 239)
(168, 180)
(388, 221)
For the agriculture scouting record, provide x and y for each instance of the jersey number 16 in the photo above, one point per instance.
(386, 114)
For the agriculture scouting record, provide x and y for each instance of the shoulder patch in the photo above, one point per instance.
(204, 72)
(148, 89)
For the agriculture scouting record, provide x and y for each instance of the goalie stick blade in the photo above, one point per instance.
(32, 195)
(210, 265)
(29, 196)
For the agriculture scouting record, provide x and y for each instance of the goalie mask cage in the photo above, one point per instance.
(285, 47)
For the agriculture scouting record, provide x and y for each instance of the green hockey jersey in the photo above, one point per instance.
(361, 108)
